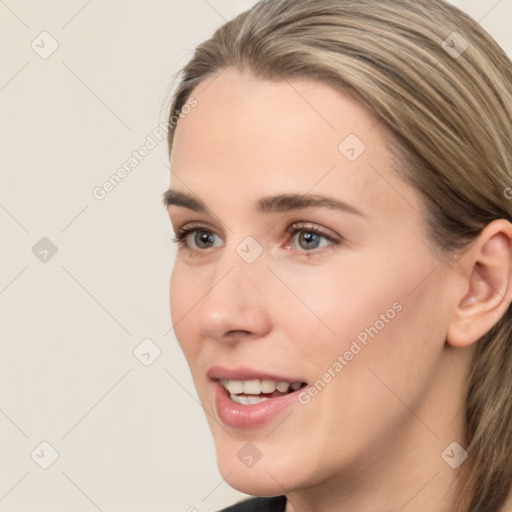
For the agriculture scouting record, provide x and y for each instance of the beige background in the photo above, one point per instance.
(129, 437)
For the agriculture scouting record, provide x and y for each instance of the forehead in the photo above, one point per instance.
(247, 134)
(238, 112)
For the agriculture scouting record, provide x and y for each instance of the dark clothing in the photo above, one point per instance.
(276, 504)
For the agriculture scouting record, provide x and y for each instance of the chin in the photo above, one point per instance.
(268, 475)
(255, 481)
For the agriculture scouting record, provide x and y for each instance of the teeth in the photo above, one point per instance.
(257, 386)
(235, 386)
(252, 387)
(248, 400)
(282, 386)
(268, 386)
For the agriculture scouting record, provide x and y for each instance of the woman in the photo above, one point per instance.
(340, 196)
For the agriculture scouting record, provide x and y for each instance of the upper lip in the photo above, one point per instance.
(245, 373)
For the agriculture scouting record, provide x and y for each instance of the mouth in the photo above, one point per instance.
(247, 398)
(255, 391)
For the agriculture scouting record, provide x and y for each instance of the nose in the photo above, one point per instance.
(235, 306)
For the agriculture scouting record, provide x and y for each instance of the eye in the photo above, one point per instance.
(196, 238)
(306, 238)
(310, 237)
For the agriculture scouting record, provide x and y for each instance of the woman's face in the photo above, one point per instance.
(308, 264)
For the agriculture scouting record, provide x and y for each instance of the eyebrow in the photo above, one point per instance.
(280, 203)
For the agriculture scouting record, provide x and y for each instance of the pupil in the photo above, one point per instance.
(311, 240)
(203, 237)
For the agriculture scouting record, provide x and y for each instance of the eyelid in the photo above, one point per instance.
(194, 225)
(314, 228)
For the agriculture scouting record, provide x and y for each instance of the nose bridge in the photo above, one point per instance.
(236, 298)
(243, 264)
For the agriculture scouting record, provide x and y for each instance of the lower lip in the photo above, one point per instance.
(249, 416)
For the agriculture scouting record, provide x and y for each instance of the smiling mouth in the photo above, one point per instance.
(254, 391)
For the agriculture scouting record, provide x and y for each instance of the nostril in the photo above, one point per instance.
(238, 333)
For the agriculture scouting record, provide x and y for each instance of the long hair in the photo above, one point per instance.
(443, 89)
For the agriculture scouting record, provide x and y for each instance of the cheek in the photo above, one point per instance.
(184, 295)
(177, 290)
(381, 313)
(391, 332)
(330, 306)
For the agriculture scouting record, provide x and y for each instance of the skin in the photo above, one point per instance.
(372, 439)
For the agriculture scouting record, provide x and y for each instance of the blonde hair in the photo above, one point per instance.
(449, 110)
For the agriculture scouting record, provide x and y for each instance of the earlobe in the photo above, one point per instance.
(488, 287)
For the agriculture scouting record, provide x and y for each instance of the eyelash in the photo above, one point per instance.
(292, 230)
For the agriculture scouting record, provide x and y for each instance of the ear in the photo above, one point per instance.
(488, 273)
